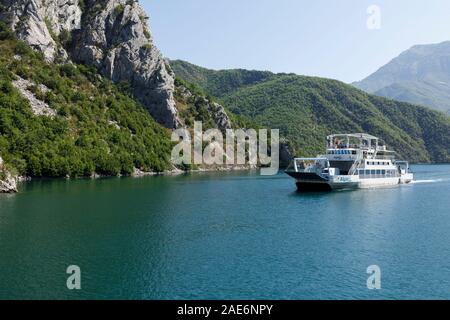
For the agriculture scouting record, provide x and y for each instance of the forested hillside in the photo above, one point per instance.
(91, 125)
(307, 109)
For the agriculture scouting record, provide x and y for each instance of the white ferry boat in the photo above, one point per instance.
(352, 161)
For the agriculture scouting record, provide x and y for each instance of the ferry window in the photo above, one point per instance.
(353, 151)
(373, 172)
(383, 172)
(378, 171)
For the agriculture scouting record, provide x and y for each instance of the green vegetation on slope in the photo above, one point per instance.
(192, 104)
(307, 109)
(97, 129)
(218, 83)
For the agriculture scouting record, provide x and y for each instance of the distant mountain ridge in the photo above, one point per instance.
(307, 109)
(420, 75)
(219, 83)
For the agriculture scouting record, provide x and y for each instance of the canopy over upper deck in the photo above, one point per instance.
(362, 136)
(353, 140)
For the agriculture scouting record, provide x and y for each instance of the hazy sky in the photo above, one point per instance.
(327, 38)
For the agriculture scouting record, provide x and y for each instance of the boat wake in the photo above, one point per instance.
(426, 181)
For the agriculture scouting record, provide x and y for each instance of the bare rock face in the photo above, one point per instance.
(62, 15)
(116, 40)
(8, 183)
(111, 35)
(286, 154)
(39, 107)
(219, 115)
(37, 21)
(217, 112)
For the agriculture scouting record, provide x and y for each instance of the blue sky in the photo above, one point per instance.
(327, 38)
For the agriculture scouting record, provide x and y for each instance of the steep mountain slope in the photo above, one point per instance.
(420, 75)
(81, 85)
(111, 35)
(67, 120)
(306, 109)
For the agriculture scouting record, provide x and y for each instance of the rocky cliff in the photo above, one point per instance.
(115, 38)
(39, 22)
(8, 183)
(111, 35)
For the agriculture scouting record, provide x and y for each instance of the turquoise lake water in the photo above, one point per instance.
(225, 236)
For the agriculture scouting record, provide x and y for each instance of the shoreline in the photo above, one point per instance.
(136, 174)
(175, 172)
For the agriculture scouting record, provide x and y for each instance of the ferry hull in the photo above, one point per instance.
(312, 187)
(309, 182)
(312, 182)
